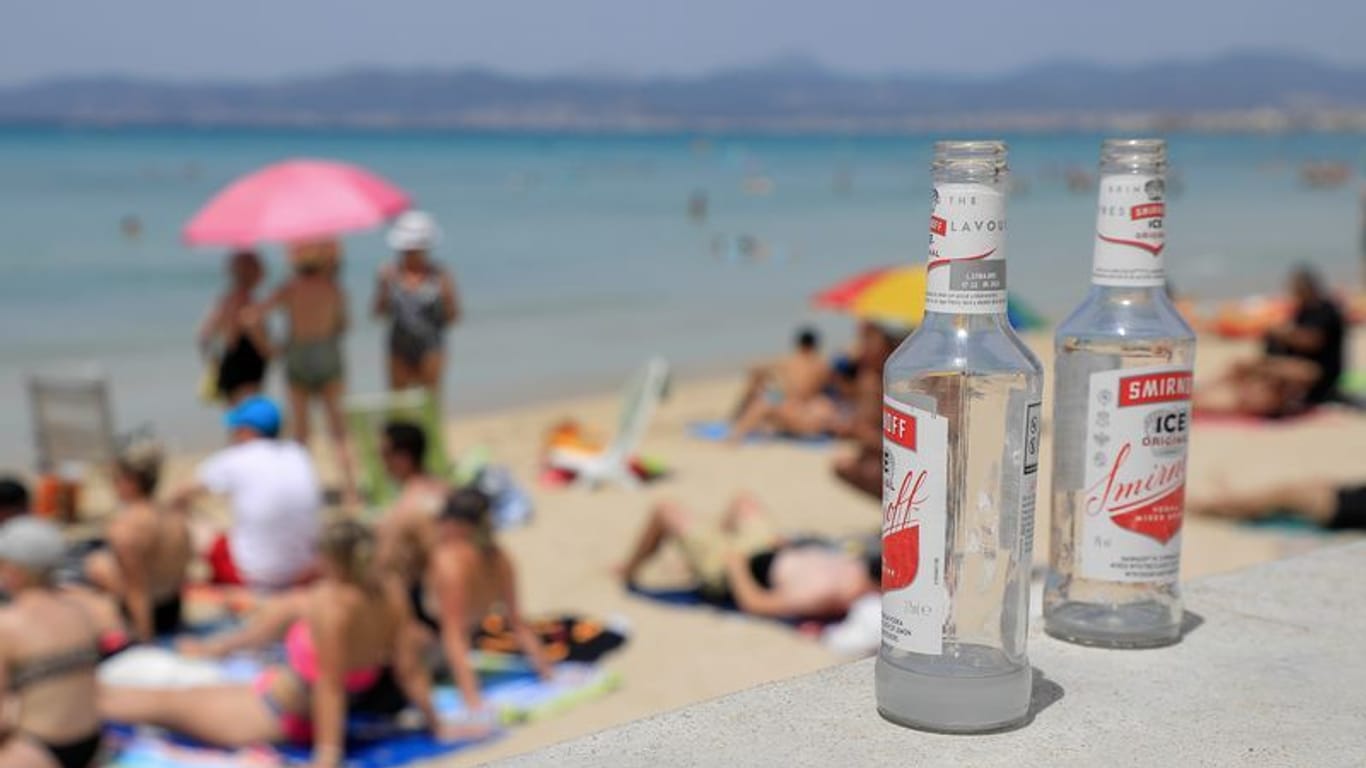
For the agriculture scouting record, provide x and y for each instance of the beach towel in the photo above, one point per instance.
(518, 697)
(563, 638)
(718, 431)
(692, 597)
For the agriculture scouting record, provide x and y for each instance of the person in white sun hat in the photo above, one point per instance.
(418, 296)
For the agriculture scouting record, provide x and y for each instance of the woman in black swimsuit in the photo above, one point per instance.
(745, 563)
(49, 647)
(240, 337)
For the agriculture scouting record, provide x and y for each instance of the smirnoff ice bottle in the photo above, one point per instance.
(961, 420)
(1121, 418)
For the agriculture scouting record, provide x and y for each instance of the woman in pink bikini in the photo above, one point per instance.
(340, 636)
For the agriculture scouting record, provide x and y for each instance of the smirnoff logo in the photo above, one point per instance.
(1155, 388)
(1147, 211)
(1149, 504)
(898, 427)
(901, 531)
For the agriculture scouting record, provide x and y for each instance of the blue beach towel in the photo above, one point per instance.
(516, 694)
(718, 431)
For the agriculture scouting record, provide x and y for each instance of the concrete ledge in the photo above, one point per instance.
(1272, 673)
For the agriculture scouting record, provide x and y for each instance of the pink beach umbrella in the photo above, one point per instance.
(294, 201)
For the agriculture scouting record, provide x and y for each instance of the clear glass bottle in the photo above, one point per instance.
(1121, 418)
(961, 425)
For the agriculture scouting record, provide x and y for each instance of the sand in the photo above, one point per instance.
(677, 656)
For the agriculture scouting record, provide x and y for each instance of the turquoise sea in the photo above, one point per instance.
(576, 256)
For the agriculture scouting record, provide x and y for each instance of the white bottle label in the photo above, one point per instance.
(915, 451)
(966, 272)
(1138, 427)
(1129, 233)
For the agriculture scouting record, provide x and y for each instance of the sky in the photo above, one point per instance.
(267, 39)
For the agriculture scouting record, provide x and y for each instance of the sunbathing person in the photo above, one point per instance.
(407, 531)
(49, 648)
(1335, 506)
(339, 635)
(275, 499)
(1301, 366)
(862, 468)
(745, 561)
(789, 396)
(468, 578)
(145, 564)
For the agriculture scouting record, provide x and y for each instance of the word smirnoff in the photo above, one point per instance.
(961, 425)
(1121, 425)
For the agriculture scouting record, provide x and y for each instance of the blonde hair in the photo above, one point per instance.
(351, 547)
(140, 458)
(325, 254)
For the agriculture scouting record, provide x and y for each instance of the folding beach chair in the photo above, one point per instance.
(643, 394)
(72, 420)
(366, 415)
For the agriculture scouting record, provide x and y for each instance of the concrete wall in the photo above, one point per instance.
(1273, 673)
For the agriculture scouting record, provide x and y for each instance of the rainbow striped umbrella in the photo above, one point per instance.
(896, 295)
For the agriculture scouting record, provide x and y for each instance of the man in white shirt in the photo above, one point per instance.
(275, 498)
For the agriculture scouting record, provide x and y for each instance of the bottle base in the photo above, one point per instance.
(956, 705)
(1127, 625)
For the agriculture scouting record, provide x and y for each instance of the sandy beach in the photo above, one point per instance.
(682, 655)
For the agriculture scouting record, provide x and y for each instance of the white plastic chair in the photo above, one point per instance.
(643, 393)
(72, 420)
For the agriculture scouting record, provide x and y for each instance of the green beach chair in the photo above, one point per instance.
(366, 415)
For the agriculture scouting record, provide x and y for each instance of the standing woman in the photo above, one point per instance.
(315, 303)
(419, 298)
(49, 647)
(232, 338)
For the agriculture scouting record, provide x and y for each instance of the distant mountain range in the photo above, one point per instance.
(1257, 91)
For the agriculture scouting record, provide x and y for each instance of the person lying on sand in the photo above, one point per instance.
(146, 563)
(339, 634)
(1301, 366)
(1330, 505)
(862, 468)
(743, 560)
(789, 396)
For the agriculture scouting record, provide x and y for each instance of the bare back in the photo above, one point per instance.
(803, 375)
(407, 532)
(316, 307)
(42, 624)
(372, 620)
(161, 541)
(484, 578)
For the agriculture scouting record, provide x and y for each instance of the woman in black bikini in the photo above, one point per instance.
(236, 338)
(49, 647)
(744, 562)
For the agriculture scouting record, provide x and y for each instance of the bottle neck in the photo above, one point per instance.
(1131, 212)
(966, 269)
(965, 323)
